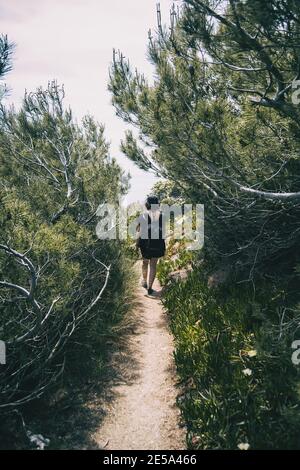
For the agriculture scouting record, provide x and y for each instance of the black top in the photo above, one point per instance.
(153, 246)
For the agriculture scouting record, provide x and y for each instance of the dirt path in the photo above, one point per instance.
(144, 414)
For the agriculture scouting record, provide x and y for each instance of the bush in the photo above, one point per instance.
(61, 287)
(177, 257)
(235, 360)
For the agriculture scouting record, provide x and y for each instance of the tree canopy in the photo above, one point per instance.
(54, 271)
(220, 122)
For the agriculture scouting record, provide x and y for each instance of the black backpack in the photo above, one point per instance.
(158, 243)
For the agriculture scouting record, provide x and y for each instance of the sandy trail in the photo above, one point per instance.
(144, 414)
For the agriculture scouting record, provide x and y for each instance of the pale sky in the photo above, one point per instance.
(72, 41)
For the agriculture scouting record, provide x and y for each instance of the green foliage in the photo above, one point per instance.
(167, 192)
(6, 50)
(219, 123)
(234, 357)
(61, 287)
(177, 257)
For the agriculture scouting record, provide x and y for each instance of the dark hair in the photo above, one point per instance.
(151, 200)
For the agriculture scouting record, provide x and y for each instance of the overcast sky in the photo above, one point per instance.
(72, 41)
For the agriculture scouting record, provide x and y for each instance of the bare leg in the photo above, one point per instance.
(145, 269)
(152, 274)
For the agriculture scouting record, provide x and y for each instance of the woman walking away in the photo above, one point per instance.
(150, 241)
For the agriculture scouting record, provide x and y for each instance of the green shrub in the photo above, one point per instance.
(177, 257)
(61, 287)
(235, 361)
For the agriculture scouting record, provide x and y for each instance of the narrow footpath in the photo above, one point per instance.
(144, 414)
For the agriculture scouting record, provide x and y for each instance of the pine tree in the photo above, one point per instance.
(53, 269)
(220, 122)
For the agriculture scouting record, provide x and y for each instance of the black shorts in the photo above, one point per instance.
(148, 251)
